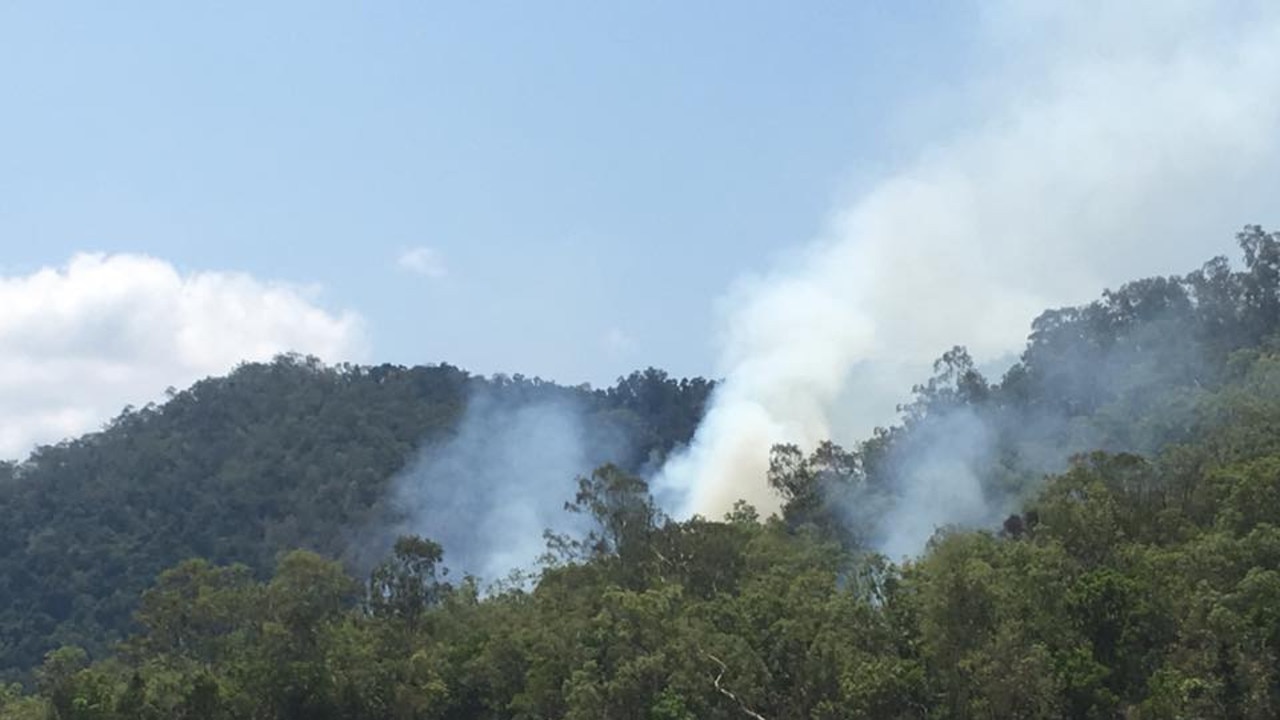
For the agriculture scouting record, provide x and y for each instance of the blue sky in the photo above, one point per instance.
(588, 177)
(810, 200)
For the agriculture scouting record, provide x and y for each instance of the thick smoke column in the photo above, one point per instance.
(1113, 140)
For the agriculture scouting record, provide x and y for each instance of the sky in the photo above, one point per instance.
(562, 189)
(557, 189)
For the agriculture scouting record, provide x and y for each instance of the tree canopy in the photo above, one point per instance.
(238, 469)
(1136, 572)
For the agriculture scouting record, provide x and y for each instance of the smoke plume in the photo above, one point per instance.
(487, 493)
(938, 485)
(1111, 140)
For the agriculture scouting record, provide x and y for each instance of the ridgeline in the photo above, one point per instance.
(1130, 566)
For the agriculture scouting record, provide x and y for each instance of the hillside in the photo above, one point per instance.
(1119, 487)
(273, 457)
(1133, 372)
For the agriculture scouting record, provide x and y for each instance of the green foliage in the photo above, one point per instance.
(1140, 579)
(1120, 594)
(236, 470)
(406, 586)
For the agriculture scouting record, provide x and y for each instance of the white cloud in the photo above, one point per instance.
(104, 331)
(618, 342)
(423, 261)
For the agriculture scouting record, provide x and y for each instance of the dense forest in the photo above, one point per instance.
(286, 455)
(1133, 570)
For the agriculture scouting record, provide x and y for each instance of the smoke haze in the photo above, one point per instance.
(939, 485)
(1112, 140)
(488, 493)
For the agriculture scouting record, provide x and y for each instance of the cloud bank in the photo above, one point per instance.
(83, 340)
(1111, 141)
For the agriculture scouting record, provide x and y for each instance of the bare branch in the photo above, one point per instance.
(728, 693)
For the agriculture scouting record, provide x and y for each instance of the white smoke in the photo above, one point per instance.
(489, 492)
(1114, 140)
(937, 486)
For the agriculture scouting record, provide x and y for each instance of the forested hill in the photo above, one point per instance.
(276, 456)
(1131, 372)
(1116, 551)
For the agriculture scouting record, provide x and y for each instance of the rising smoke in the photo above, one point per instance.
(487, 493)
(1114, 140)
(938, 485)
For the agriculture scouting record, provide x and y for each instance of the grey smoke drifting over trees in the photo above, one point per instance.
(1108, 141)
(1139, 370)
(489, 489)
(938, 484)
(488, 493)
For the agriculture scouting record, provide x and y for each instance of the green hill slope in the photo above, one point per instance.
(290, 454)
(1133, 568)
